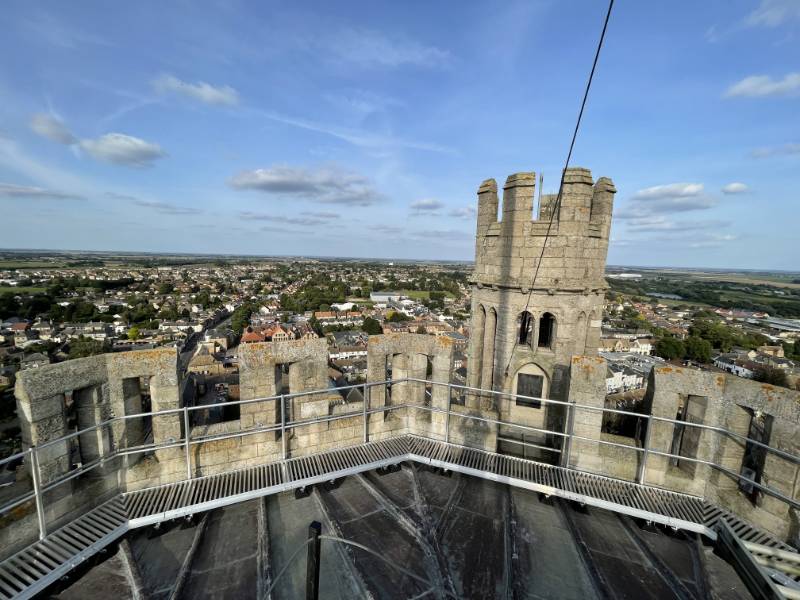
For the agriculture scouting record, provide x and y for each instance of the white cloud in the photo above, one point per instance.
(116, 148)
(671, 190)
(466, 212)
(661, 223)
(167, 209)
(52, 128)
(757, 86)
(223, 95)
(121, 149)
(10, 190)
(772, 13)
(672, 197)
(374, 49)
(735, 188)
(327, 185)
(784, 150)
(426, 205)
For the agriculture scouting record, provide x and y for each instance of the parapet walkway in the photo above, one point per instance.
(44, 562)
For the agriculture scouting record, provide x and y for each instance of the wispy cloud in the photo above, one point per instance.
(356, 137)
(121, 149)
(772, 13)
(759, 86)
(167, 209)
(10, 190)
(52, 128)
(326, 185)
(466, 212)
(320, 214)
(453, 235)
(374, 49)
(46, 27)
(305, 221)
(662, 223)
(735, 187)
(783, 150)
(426, 206)
(362, 102)
(223, 95)
(115, 148)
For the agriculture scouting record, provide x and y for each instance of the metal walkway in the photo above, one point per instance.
(33, 569)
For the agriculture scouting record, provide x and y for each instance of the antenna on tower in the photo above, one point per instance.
(539, 201)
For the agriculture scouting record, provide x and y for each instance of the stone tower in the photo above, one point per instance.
(523, 333)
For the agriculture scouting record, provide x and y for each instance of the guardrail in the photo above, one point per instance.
(31, 455)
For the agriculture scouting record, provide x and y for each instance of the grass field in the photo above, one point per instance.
(422, 294)
(30, 264)
(22, 290)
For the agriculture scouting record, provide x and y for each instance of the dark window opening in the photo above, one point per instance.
(532, 386)
(547, 326)
(755, 456)
(677, 437)
(525, 328)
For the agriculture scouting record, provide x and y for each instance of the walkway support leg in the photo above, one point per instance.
(37, 490)
(366, 415)
(642, 474)
(187, 434)
(312, 563)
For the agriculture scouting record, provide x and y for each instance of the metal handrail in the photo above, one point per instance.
(284, 426)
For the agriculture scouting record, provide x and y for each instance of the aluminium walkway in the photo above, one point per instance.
(31, 570)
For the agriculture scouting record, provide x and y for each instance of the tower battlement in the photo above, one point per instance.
(575, 244)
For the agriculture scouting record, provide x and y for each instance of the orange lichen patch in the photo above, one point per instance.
(443, 341)
(664, 369)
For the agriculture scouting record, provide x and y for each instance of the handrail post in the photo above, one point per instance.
(447, 415)
(642, 473)
(187, 436)
(570, 433)
(37, 491)
(284, 446)
(366, 416)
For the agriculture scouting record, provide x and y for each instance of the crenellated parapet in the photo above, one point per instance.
(570, 236)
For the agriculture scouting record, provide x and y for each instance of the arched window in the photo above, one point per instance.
(547, 330)
(525, 327)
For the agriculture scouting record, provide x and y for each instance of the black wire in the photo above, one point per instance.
(557, 205)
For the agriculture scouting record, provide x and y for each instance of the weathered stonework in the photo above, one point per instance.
(532, 265)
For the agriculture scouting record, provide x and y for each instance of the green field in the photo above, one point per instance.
(22, 290)
(422, 294)
(30, 264)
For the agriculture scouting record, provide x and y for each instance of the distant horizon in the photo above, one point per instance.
(365, 259)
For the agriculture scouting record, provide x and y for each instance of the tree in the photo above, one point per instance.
(371, 326)
(84, 346)
(397, 317)
(772, 376)
(133, 333)
(670, 348)
(698, 349)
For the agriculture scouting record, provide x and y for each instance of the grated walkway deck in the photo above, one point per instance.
(30, 571)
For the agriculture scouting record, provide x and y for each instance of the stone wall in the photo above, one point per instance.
(719, 400)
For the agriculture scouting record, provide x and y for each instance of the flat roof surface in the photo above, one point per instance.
(457, 535)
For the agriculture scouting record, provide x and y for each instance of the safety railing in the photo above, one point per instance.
(31, 456)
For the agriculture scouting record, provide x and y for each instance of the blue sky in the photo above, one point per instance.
(365, 128)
